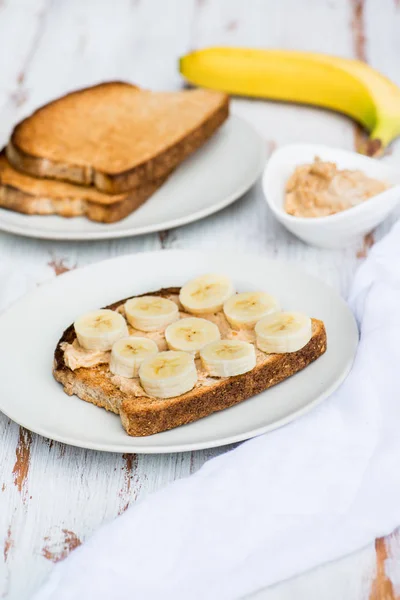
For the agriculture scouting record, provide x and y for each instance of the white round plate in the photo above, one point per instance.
(30, 330)
(211, 179)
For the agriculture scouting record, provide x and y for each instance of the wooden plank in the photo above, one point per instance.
(381, 32)
(42, 507)
(390, 565)
(247, 223)
(378, 35)
(381, 586)
(19, 45)
(19, 42)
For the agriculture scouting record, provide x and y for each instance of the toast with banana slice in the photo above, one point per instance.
(170, 357)
(115, 136)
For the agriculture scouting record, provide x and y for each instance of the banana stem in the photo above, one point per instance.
(385, 130)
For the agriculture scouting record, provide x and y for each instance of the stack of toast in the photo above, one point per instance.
(102, 151)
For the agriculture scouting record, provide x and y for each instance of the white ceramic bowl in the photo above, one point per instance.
(344, 227)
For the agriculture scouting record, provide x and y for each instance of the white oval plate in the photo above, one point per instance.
(214, 177)
(30, 330)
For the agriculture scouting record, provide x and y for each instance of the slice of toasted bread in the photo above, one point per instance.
(141, 415)
(33, 196)
(115, 136)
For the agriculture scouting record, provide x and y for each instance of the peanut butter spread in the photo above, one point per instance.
(321, 189)
(76, 357)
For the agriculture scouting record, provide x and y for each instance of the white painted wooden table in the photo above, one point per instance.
(51, 496)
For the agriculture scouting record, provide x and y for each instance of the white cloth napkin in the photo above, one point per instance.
(279, 504)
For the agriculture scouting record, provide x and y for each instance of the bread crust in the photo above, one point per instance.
(111, 181)
(25, 194)
(21, 201)
(142, 416)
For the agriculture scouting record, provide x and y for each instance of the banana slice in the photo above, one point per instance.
(168, 374)
(228, 357)
(206, 294)
(244, 310)
(283, 332)
(98, 330)
(191, 334)
(151, 313)
(128, 354)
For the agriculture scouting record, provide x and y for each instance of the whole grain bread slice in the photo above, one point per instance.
(143, 416)
(32, 196)
(115, 136)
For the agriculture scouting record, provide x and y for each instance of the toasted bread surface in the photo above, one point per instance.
(141, 415)
(33, 196)
(115, 136)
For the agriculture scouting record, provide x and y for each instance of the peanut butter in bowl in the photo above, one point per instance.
(321, 189)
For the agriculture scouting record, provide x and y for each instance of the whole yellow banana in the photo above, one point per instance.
(344, 85)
